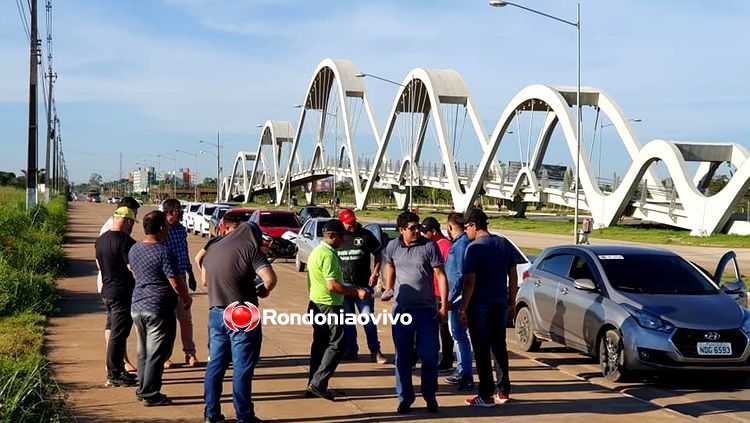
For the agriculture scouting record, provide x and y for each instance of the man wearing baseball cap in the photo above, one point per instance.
(327, 291)
(356, 247)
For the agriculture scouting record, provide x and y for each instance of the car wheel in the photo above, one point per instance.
(525, 331)
(612, 356)
(299, 264)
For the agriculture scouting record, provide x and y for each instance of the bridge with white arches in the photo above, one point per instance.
(424, 143)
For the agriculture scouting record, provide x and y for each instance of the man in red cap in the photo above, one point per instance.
(357, 246)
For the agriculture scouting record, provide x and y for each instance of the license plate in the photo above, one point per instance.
(714, 348)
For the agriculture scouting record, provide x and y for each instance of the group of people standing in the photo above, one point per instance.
(466, 285)
(455, 290)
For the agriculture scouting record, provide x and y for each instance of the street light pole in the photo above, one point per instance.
(577, 25)
(218, 164)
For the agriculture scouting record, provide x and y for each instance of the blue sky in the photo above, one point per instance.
(148, 77)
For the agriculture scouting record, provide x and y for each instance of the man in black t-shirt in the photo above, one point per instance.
(112, 249)
(357, 246)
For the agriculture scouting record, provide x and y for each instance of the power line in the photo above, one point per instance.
(24, 19)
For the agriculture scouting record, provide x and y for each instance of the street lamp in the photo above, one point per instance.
(411, 137)
(218, 164)
(577, 25)
(194, 174)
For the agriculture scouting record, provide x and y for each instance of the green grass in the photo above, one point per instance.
(31, 256)
(27, 391)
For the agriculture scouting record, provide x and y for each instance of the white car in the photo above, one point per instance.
(188, 219)
(202, 218)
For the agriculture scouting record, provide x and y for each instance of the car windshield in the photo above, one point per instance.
(244, 216)
(222, 212)
(317, 212)
(194, 207)
(655, 274)
(286, 220)
(209, 210)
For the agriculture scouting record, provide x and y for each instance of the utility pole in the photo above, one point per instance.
(55, 154)
(31, 164)
(218, 168)
(49, 171)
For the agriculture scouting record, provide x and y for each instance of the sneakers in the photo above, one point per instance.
(160, 399)
(379, 358)
(328, 395)
(403, 408)
(125, 379)
(477, 401)
(453, 379)
(501, 398)
(191, 360)
(219, 418)
(432, 406)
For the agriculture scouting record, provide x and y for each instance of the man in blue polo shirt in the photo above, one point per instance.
(411, 262)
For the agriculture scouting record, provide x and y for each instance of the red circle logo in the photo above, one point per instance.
(241, 316)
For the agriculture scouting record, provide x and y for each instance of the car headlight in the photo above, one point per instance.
(746, 321)
(648, 320)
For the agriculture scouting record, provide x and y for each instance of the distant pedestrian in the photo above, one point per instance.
(430, 228)
(463, 378)
(112, 248)
(357, 246)
(157, 287)
(586, 228)
(231, 265)
(177, 243)
(489, 295)
(325, 283)
(133, 205)
(411, 261)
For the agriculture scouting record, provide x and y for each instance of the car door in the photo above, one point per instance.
(546, 278)
(729, 278)
(582, 303)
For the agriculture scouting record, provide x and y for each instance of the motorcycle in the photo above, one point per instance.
(278, 247)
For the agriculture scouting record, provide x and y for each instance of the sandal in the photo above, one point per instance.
(161, 399)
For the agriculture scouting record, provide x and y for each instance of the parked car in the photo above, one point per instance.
(309, 237)
(273, 224)
(213, 221)
(311, 211)
(636, 309)
(201, 218)
(189, 216)
(244, 213)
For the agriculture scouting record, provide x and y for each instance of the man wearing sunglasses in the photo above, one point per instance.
(411, 261)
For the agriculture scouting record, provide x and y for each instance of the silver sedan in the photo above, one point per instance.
(309, 237)
(636, 309)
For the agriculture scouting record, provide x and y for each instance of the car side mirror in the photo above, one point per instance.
(585, 284)
(308, 236)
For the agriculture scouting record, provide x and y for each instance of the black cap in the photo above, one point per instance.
(334, 226)
(475, 216)
(430, 224)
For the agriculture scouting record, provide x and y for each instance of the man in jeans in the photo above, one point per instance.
(411, 260)
(489, 295)
(157, 286)
(454, 271)
(178, 246)
(112, 248)
(327, 291)
(231, 266)
(356, 246)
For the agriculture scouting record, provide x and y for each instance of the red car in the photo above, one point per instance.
(276, 222)
(244, 213)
